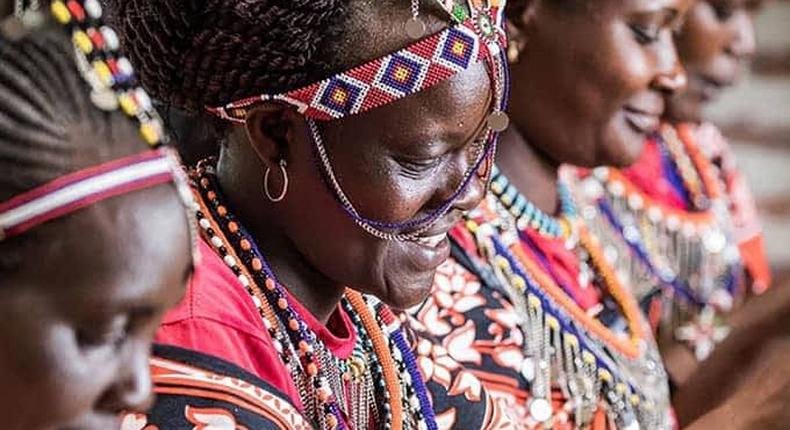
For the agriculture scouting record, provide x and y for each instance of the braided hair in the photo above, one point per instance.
(48, 124)
(196, 53)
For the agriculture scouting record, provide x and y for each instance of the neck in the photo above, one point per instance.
(530, 171)
(314, 291)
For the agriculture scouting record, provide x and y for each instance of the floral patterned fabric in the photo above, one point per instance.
(197, 391)
(475, 324)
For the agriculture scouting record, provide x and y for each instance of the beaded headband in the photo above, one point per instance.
(477, 35)
(78, 190)
(105, 68)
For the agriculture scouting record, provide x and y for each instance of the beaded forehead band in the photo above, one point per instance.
(113, 86)
(477, 35)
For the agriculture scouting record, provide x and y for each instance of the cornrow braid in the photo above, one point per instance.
(48, 124)
(195, 53)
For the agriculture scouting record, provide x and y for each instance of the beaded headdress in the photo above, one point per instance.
(113, 86)
(477, 35)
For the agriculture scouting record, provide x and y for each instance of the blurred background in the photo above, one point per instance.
(755, 116)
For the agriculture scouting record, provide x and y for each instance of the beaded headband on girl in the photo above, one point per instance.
(477, 35)
(78, 190)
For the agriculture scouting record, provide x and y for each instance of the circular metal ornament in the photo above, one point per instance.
(540, 409)
(415, 28)
(498, 121)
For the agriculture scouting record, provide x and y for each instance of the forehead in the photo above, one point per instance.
(676, 6)
(118, 251)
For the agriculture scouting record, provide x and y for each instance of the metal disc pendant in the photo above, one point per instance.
(540, 409)
(498, 121)
(415, 28)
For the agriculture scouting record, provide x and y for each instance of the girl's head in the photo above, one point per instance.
(590, 76)
(716, 37)
(398, 162)
(81, 294)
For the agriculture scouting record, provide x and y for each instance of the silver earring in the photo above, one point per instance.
(284, 191)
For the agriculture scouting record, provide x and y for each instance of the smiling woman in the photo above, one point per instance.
(354, 135)
(530, 301)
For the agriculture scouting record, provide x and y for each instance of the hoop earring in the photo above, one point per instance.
(284, 191)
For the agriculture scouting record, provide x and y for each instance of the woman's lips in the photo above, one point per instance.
(643, 122)
(429, 251)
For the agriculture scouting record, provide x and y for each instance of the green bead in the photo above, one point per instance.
(459, 13)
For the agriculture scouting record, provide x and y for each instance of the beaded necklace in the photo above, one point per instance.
(690, 255)
(384, 384)
(566, 347)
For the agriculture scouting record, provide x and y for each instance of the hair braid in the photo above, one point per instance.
(48, 124)
(195, 53)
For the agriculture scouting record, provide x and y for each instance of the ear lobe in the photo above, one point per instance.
(270, 130)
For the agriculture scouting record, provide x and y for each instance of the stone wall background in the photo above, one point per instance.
(756, 117)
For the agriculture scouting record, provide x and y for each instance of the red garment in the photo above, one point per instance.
(565, 268)
(218, 317)
(648, 175)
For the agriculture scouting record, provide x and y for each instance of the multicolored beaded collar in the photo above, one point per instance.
(381, 354)
(568, 348)
(112, 82)
(689, 254)
(477, 35)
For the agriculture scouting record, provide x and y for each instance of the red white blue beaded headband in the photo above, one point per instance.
(477, 35)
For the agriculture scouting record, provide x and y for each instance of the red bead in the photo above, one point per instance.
(98, 42)
(113, 65)
(312, 369)
(76, 10)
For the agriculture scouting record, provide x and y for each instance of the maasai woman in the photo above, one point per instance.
(682, 212)
(76, 355)
(529, 301)
(94, 241)
(330, 181)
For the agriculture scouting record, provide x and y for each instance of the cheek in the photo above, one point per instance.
(44, 364)
(702, 38)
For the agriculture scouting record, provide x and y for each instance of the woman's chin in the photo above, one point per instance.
(404, 292)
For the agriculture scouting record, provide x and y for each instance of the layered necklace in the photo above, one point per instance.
(378, 386)
(566, 347)
(689, 254)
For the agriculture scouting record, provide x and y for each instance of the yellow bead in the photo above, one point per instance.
(150, 134)
(60, 12)
(82, 41)
(103, 71)
(127, 104)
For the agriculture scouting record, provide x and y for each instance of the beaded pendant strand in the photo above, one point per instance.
(687, 255)
(384, 383)
(566, 347)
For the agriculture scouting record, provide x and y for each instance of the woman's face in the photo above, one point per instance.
(80, 301)
(588, 86)
(396, 163)
(716, 37)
